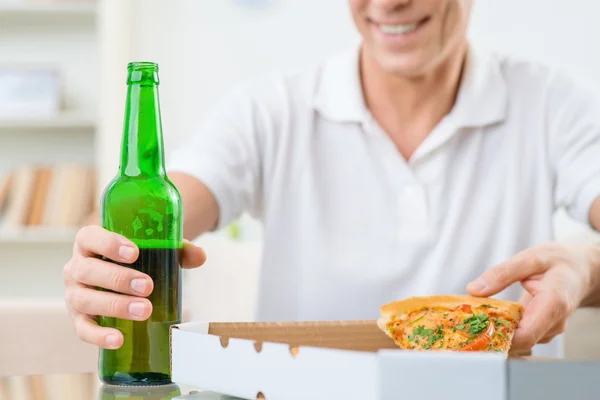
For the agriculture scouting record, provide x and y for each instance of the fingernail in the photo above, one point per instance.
(112, 340)
(478, 285)
(137, 309)
(139, 286)
(126, 252)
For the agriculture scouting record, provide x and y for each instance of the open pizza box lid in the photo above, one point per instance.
(324, 360)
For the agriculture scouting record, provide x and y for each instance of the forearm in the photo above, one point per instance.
(592, 299)
(200, 208)
(595, 214)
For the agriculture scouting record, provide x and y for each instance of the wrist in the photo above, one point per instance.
(592, 297)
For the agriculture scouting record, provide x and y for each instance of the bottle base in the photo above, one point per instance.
(137, 379)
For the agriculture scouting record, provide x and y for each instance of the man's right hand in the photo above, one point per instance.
(85, 271)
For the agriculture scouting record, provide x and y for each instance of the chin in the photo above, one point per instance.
(405, 65)
(405, 68)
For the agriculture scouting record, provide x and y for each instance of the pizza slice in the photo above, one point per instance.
(455, 323)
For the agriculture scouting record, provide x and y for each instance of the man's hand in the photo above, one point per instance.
(86, 270)
(557, 279)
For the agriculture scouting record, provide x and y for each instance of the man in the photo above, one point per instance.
(407, 166)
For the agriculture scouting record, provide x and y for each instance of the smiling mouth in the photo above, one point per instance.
(400, 29)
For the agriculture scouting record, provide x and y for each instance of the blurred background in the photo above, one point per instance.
(62, 95)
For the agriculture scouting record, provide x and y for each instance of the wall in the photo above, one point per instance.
(555, 32)
(132, 30)
(223, 43)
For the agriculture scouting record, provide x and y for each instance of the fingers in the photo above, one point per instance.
(89, 331)
(85, 270)
(193, 256)
(525, 299)
(107, 275)
(94, 302)
(539, 317)
(556, 330)
(503, 275)
(95, 240)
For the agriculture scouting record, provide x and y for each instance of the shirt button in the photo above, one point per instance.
(412, 204)
(414, 224)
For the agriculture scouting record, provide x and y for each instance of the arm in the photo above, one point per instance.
(574, 137)
(593, 297)
(218, 170)
(595, 214)
(200, 208)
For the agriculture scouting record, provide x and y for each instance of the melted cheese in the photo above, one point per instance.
(483, 328)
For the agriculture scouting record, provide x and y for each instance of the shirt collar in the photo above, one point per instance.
(482, 97)
(338, 95)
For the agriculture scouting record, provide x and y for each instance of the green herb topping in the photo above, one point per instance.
(477, 324)
(430, 335)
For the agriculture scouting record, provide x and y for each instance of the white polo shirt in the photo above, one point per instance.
(350, 225)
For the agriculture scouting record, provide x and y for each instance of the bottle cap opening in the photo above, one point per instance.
(142, 72)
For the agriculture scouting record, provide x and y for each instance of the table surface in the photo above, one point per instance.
(88, 387)
(169, 392)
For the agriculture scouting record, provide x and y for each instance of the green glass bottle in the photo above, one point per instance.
(143, 205)
(165, 392)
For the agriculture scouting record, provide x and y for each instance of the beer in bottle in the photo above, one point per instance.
(143, 205)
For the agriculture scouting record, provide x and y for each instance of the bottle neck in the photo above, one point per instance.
(142, 150)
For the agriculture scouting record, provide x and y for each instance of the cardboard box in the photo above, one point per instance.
(325, 360)
(550, 379)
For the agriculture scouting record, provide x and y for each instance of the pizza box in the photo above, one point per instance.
(552, 379)
(324, 360)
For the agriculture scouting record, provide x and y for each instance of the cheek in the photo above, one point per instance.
(454, 22)
(357, 7)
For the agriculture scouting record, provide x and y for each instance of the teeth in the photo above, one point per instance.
(398, 29)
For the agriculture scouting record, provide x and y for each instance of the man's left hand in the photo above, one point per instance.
(556, 277)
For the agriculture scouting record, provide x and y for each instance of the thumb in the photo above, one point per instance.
(193, 256)
(501, 276)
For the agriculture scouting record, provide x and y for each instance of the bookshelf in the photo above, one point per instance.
(61, 121)
(13, 9)
(91, 54)
(42, 153)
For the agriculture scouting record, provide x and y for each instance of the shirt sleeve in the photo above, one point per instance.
(574, 126)
(224, 154)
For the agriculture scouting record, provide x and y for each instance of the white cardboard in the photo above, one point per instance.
(442, 375)
(199, 360)
(553, 379)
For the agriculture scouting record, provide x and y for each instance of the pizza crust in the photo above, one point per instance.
(411, 304)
